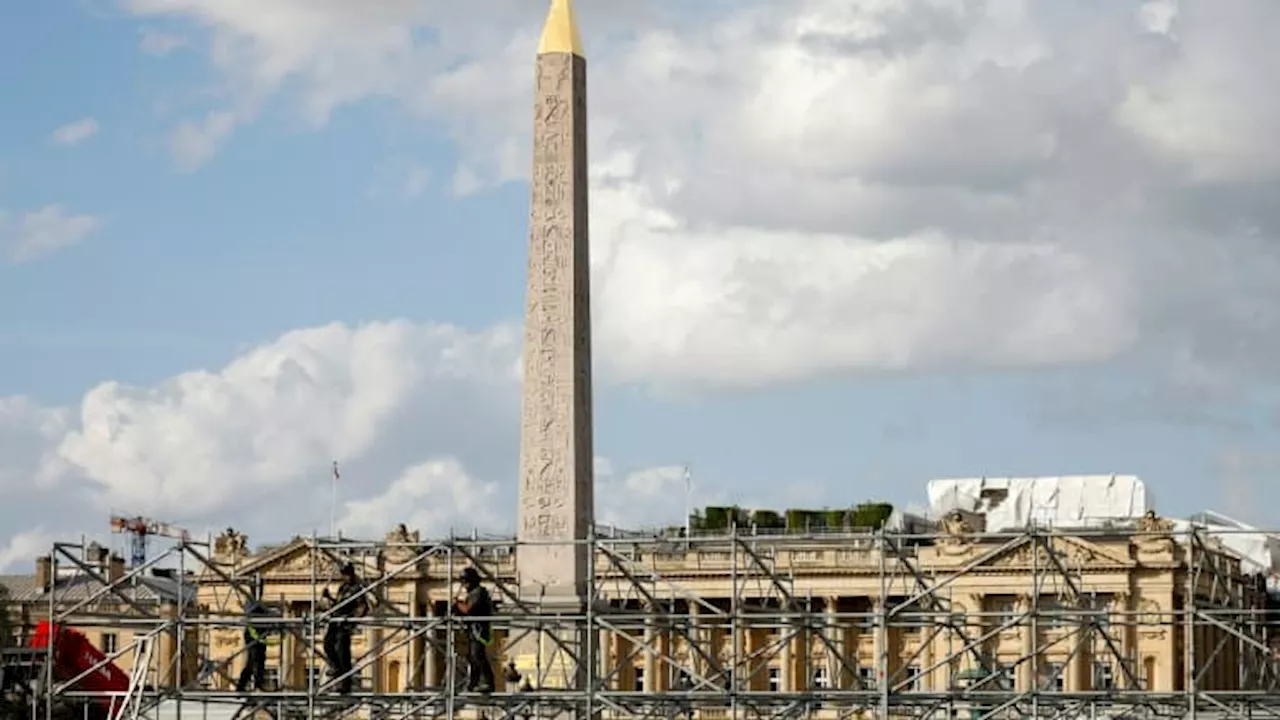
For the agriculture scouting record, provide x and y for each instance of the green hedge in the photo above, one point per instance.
(868, 515)
(768, 519)
(871, 515)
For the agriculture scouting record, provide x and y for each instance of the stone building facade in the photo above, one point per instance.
(92, 595)
(1060, 612)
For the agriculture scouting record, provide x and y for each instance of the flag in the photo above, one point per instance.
(688, 479)
(336, 476)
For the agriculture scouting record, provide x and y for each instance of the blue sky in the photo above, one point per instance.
(810, 299)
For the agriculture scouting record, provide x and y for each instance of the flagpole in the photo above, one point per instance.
(333, 502)
(688, 504)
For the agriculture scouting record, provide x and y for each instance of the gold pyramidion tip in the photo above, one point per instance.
(560, 34)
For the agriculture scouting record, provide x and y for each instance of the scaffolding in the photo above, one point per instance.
(1119, 622)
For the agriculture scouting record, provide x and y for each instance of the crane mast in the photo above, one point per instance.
(139, 528)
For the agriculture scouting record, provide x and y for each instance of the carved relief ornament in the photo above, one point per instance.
(231, 545)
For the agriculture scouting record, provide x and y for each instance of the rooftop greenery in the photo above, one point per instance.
(866, 516)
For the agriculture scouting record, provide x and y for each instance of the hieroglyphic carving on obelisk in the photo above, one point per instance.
(556, 479)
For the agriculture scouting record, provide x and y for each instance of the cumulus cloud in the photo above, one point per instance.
(437, 497)
(76, 132)
(23, 547)
(422, 419)
(783, 190)
(644, 498)
(272, 419)
(251, 444)
(28, 436)
(42, 232)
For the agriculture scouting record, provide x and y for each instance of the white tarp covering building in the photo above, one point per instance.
(1258, 551)
(1067, 501)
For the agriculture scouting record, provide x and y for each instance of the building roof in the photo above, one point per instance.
(1078, 501)
(79, 586)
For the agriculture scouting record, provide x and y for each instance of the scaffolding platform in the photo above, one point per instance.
(1141, 621)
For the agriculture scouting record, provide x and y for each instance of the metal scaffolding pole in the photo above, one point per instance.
(1044, 623)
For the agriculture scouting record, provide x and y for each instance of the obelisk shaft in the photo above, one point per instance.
(556, 455)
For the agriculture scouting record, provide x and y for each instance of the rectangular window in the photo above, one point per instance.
(775, 679)
(271, 678)
(821, 678)
(1103, 677)
(315, 676)
(1054, 677)
(867, 677)
(108, 643)
(1049, 612)
(1004, 609)
(913, 678)
(639, 679)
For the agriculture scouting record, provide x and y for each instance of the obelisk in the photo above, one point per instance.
(556, 479)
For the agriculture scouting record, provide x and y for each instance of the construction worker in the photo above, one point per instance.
(349, 604)
(477, 604)
(255, 644)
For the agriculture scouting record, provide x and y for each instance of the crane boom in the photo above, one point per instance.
(140, 528)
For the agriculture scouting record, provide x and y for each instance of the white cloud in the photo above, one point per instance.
(274, 418)
(44, 231)
(76, 132)
(437, 497)
(159, 44)
(251, 444)
(28, 437)
(422, 418)
(783, 190)
(645, 498)
(192, 143)
(417, 179)
(22, 548)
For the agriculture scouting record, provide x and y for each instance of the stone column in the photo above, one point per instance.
(414, 649)
(605, 655)
(167, 651)
(431, 673)
(786, 661)
(1027, 633)
(697, 642)
(745, 670)
(880, 646)
(976, 626)
(650, 656)
(836, 655)
(288, 651)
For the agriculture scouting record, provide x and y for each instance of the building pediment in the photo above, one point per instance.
(294, 559)
(1073, 553)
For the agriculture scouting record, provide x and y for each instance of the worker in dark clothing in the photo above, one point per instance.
(255, 644)
(348, 605)
(478, 606)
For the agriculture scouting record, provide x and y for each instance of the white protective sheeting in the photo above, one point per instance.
(1068, 501)
(191, 710)
(1259, 552)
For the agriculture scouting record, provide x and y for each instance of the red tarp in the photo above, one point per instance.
(73, 654)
